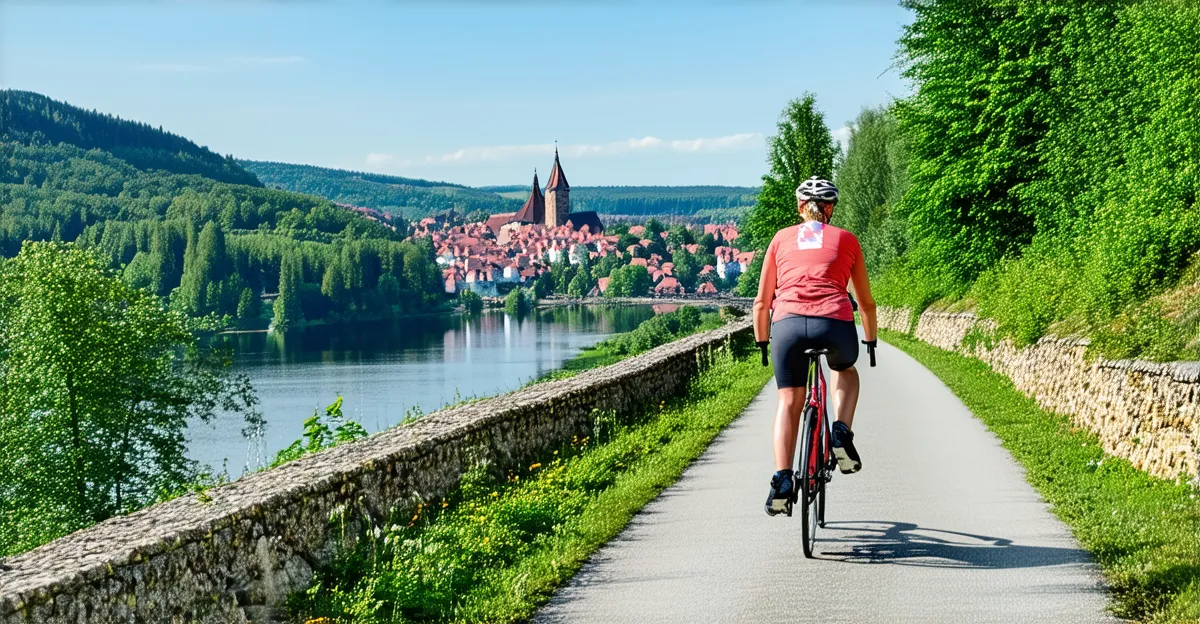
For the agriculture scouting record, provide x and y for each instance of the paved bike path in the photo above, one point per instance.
(939, 526)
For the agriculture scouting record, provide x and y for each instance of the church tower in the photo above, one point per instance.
(558, 195)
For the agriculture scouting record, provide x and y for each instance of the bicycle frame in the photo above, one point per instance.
(816, 463)
(816, 399)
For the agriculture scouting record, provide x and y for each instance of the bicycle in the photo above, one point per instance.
(817, 461)
(816, 457)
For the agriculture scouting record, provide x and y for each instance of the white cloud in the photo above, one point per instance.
(268, 60)
(379, 160)
(733, 141)
(499, 153)
(842, 136)
(174, 67)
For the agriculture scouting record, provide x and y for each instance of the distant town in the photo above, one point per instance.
(514, 249)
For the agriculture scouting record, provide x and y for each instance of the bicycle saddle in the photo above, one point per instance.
(816, 352)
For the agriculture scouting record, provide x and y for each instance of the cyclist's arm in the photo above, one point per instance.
(866, 303)
(766, 294)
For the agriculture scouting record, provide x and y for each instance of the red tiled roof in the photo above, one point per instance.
(638, 261)
(706, 288)
(496, 221)
(602, 283)
(558, 180)
(667, 284)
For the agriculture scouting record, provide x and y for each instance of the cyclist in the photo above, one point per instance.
(803, 303)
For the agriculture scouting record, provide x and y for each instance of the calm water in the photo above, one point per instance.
(383, 370)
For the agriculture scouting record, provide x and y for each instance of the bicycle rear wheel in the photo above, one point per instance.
(811, 487)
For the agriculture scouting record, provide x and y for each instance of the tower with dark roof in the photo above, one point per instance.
(558, 196)
(534, 210)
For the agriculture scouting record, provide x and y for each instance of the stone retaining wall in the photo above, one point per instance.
(1146, 412)
(232, 554)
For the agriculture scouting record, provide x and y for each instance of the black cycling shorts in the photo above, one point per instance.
(791, 336)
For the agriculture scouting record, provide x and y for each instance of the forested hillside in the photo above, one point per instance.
(34, 119)
(175, 224)
(1045, 173)
(714, 203)
(409, 197)
(415, 198)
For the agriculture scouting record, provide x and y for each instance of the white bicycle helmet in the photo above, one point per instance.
(818, 189)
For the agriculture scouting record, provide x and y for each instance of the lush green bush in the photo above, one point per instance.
(471, 302)
(322, 432)
(629, 281)
(518, 302)
(1052, 167)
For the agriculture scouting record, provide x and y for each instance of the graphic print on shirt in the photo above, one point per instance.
(811, 235)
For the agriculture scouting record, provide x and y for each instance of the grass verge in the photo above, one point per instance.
(501, 545)
(1144, 532)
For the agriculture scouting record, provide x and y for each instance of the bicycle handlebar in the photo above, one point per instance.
(871, 344)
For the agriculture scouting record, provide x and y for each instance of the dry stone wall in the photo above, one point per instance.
(234, 553)
(1146, 412)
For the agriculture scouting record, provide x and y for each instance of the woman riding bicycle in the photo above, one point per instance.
(802, 304)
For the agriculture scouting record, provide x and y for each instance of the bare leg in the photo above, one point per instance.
(845, 395)
(787, 425)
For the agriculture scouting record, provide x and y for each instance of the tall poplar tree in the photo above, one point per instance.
(803, 147)
(287, 305)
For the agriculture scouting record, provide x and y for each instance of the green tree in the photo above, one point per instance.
(629, 281)
(287, 313)
(605, 265)
(249, 305)
(543, 286)
(471, 302)
(165, 272)
(139, 273)
(205, 265)
(94, 404)
(581, 284)
(562, 272)
(678, 236)
(747, 283)
(801, 148)
(389, 289)
(517, 302)
(686, 269)
(872, 177)
(333, 285)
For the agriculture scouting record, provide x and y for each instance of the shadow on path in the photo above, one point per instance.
(905, 543)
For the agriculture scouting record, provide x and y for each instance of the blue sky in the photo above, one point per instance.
(469, 92)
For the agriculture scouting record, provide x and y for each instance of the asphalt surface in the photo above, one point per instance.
(939, 526)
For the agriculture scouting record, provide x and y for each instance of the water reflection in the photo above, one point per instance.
(385, 369)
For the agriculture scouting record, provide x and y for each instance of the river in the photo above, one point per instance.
(385, 370)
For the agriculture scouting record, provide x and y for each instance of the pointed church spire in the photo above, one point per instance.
(558, 179)
(534, 210)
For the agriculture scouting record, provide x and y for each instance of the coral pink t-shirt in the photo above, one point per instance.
(812, 269)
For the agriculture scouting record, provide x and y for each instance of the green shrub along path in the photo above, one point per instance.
(1144, 532)
(499, 547)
